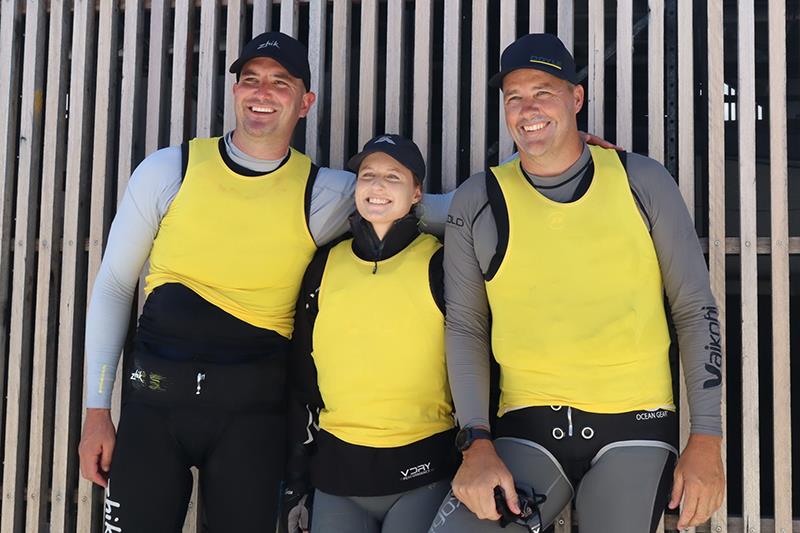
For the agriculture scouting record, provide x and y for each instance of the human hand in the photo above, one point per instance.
(97, 445)
(588, 138)
(699, 480)
(296, 512)
(480, 472)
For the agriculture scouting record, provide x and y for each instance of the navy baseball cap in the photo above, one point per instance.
(539, 51)
(396, 146)
(286, 50)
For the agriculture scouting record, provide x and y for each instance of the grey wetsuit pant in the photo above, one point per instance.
(407, 512)
(624, 491)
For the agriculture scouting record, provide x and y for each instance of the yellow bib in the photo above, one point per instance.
(379, 349)
(577, 303)
(240, 242)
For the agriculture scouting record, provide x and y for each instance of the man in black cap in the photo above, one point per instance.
(570, 249)
(228, 225)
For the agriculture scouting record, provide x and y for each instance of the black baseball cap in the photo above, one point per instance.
(539, 51)
(284, 49)
(402, 149)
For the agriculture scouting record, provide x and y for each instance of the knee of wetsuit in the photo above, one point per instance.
(536, 471)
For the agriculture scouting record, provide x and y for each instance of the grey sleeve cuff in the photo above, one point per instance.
(150, 191)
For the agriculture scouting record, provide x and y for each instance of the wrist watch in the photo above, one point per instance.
(466, 436)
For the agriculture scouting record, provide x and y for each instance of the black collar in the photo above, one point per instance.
(367, 245)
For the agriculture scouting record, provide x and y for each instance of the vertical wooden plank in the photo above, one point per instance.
(685, 159)
(340, 84)
(130, 111)
(18, 410)
(262, 16)
(156, 74)
(563, 523)
(289, 17)
(317, 24)
(746, 108)
(686, 92)
(716, 202)
(537, 16)
(101, 162)
(779, 248)
(423, 29)
(477, 128)
(9, 78)
(233, 39)
(655, 80)
(566, 23)
(70, 335)
(207, 69)
(53, 165)
(508, 34)
(180, 55)
(395, 71)
(192, 515)
(624, 94)
(451, 119)
(367, 81)
(597, 50)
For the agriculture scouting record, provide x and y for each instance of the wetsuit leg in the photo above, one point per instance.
(240, 478)
(532, 466)
(340, 514)
(415, 509)
(150, 481)
(625, 490)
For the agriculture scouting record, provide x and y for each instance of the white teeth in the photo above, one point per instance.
(535, 127)
(261, 109)
(378, 201)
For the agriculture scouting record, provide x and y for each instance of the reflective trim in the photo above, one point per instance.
(633, 444)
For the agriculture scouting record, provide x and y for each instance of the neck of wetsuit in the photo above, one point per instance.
(369, 247)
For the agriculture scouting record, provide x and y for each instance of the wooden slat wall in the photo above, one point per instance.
(52, 246)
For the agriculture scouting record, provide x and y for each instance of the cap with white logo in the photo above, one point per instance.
(286, 50)
(396, 146)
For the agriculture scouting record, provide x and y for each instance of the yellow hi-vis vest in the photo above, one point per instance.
(577, 302)
(240, 242)
(379, 348)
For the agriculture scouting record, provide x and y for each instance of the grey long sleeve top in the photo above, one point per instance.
(150, 191)
(470, 242)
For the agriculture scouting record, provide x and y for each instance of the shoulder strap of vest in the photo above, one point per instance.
(436, 278)
(184, 159)
(623, 159)
(500, 211)
(312, 178)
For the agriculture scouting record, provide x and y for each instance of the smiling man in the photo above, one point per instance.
(570, 250)
(228, 225)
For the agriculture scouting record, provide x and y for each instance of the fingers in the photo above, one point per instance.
(510, 492)
(677, 490)
(687, 517)
(105, 457)
(90, 470)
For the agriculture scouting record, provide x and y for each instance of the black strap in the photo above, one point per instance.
(497, 203)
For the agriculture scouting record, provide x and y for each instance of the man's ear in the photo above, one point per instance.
(578, 94)
(308, 100)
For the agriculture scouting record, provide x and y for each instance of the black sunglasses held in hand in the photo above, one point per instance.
(529, 516)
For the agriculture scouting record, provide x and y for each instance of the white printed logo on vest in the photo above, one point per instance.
(416, 471)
